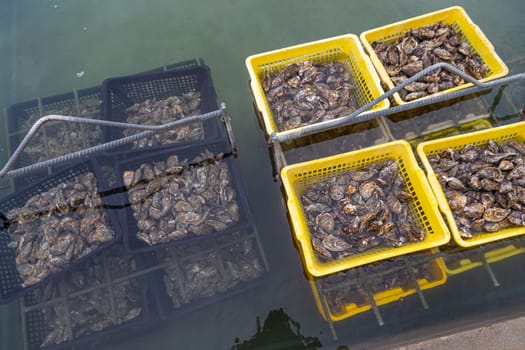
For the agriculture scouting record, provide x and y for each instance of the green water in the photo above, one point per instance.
(44, 44)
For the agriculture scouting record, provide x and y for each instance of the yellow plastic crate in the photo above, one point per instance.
(297, 177)
(491, 256)
(455, 16)
(426, 149)
(344, 48)
(438, 277)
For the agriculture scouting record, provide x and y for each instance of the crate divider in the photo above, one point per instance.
(133, 159)
(64, 298)
(166, 308)
(10, 278)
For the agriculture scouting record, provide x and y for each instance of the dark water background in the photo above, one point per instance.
(44, 44)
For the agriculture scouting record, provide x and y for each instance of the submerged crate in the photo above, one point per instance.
(233, 263)
(10, 280)
(423, 208)
(102, 298)
(463, 260)
(21, 117)
(80, 103)
(343, 139)
(344, 48)
(455, 16)
(421, 123)
(469, 124)
(133, 160)
(349, 283)
(426, 149)
(119, 94)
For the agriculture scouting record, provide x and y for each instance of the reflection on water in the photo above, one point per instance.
(278, 331)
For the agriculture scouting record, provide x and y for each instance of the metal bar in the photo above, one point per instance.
(420, 294)
(372, 300)
(44, 131)
(110, 289)
(24, 325)
(219, 259)
(261, 250)
(359, 115)
(82, 127)
(486, 264)
(11, 185)
(151, 129)
(69, 321)
(95, 287)
(278, 155)
(324, 305)
(229, 131)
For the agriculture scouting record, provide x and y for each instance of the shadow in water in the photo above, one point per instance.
(278, 332)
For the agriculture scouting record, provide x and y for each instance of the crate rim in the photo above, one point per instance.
(143, 318)
(246, 216)
(484, 135)
(385, 78)
(112, 219)
(388, 296)
(112, 85)
(156, 281)
(260, 99)
(303, 238)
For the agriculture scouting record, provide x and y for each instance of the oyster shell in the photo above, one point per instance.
(487, 192)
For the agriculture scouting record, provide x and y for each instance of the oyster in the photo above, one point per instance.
(422, 47)
(50, 232)
(81, 302)
(175, 199)
(153, 112)
(487, 190)
(203, 269)
(308, 92)
(58, 138)
(373, 211)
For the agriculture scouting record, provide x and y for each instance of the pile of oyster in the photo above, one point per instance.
(56, 227)
(307, 93)
(422, 47)
(153, 112)
(484, 185)
(349, 287)
(202, 270)
(75, 311)
(360, 210)
(173, 199)
(59, 138)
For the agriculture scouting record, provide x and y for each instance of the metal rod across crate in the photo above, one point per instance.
(5, 172)
(359, 115)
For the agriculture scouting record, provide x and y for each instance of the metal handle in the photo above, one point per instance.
(150, 130)
(363, 113)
